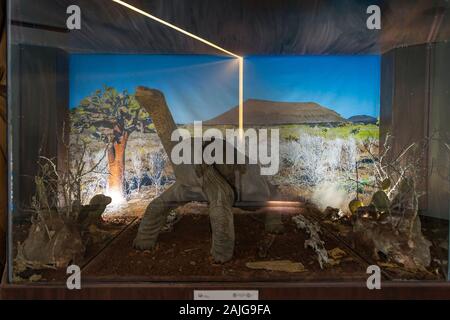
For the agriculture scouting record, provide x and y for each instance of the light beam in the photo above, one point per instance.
(189, 34)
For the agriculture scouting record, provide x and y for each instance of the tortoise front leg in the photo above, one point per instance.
(155, 216)
(220, 196)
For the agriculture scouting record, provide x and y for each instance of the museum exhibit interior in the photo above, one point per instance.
(253, 141)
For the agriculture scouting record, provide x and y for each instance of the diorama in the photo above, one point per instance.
(141, 150)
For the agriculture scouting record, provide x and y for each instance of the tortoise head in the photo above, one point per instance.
(149, 99)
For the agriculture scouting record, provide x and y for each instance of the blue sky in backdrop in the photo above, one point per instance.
(200, 87)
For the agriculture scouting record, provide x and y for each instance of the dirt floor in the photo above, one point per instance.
(182, 254)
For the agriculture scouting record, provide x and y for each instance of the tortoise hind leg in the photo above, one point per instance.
(221, 198)
(155, 216)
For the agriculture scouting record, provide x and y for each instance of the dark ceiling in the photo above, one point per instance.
(242, 26)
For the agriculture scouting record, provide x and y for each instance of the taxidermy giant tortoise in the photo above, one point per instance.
(218, 184)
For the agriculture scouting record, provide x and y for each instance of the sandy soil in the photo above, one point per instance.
(183, 255)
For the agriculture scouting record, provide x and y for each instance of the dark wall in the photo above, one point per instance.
(39, 108)
(387, 94)
(242, 26)
(439, 128)
(404, 102)
(414, 106)
(3, 153)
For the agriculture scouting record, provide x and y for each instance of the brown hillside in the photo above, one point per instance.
(263, 112)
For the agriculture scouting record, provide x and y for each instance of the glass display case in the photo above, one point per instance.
(145, 147)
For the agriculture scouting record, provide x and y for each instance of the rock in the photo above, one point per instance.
(397, 237)
(385, 184)
(333, 214)
(337, 253)
(330, 212)
(280, 265)
(53, 242)
(366, 212)
(35, 278)
(333, 262)
(397, 234)
(381, 201)
(354, 205)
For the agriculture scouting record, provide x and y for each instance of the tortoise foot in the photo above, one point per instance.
(143, 244)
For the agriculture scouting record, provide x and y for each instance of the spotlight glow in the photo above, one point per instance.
(117, 199)
(240, 59)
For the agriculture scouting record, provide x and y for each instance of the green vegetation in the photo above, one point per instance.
(107, 108)
(357, 131)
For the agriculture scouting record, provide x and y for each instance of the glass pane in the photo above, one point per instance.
(140, 151)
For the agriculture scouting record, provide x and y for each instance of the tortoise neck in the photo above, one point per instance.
(156, 106)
